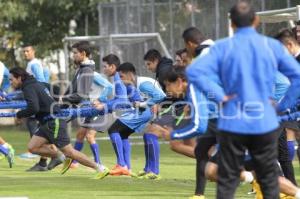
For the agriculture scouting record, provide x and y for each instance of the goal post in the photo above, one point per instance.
(129, 47)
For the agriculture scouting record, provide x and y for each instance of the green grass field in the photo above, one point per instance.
(178, 176)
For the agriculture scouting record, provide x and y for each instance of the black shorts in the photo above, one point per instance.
(207, 140)
(121, 128)
(291, 125)
(55, 131)
(96, 123)
(283, 152)
(171, 117)
(248, 164)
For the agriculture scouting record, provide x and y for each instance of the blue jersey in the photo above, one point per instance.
(46, 73)
(35, 68)
(199, 115)
(101, 88)
(119, 93)
(153, 94)
(5, 78)
(282, 84)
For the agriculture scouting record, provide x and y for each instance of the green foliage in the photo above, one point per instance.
(42, 23)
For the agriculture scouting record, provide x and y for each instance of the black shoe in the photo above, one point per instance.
(54, 163)
(37, 167)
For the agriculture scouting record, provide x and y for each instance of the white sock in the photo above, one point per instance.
(61, 156)
(248, 177)
(297, 196)
(101, 167)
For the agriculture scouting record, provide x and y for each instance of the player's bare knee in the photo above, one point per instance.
(31, 148)
(211, 172)
(90, 138)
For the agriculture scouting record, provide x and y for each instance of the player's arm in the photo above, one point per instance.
(155, 95)
(107, 87)
(37, 72)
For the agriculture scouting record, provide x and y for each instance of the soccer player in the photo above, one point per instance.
(35, 68)
(133, 121)
(40, 104)
(111, 63)
(195, 42)
(101, 90)
(287, 37)
(197, 46)
(81, 88)
(248, 119)
(182, 58)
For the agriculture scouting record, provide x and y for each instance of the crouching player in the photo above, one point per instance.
(41, 104)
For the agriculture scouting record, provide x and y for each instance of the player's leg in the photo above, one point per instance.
(185, 147)
(8, 151)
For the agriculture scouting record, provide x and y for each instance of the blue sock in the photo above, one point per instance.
(116, 141)
(291, 149)
(95, 150)
(78, 146)
(127, 152)
(146, 150)
(4, 150)
(153, 150)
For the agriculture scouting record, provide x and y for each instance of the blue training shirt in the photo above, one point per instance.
(35, 68)
(101, 88)
(153, 94)
(246, 65)
(199, 115)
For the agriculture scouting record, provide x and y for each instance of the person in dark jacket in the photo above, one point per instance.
(53, 131)
(82, 82)
(158, 65)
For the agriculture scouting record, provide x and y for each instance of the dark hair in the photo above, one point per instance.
(112, 59)
(242, 14)
(127, 67)
(180, 52)
(83, 46)
(174, 73)
(19, 72)
(193, 34)
(285, 35)
(152, 55)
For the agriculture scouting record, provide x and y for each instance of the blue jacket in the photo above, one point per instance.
(246, 65)
(199, 115)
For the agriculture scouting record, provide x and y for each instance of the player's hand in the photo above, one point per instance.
(2, 98)
(98, 105)
(167, 133)
(136, 104)
(18, 120)
(155, 109)
(228, 97)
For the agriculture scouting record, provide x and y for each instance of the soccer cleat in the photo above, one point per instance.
(54, 163)
(66, 166)
(119, 170)
(28, 155)
(101, 174)
(151, 176)
(197, 197)
(256, 188)
(141, 173)
(37, 167)
(284, 196)
(10, 156)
